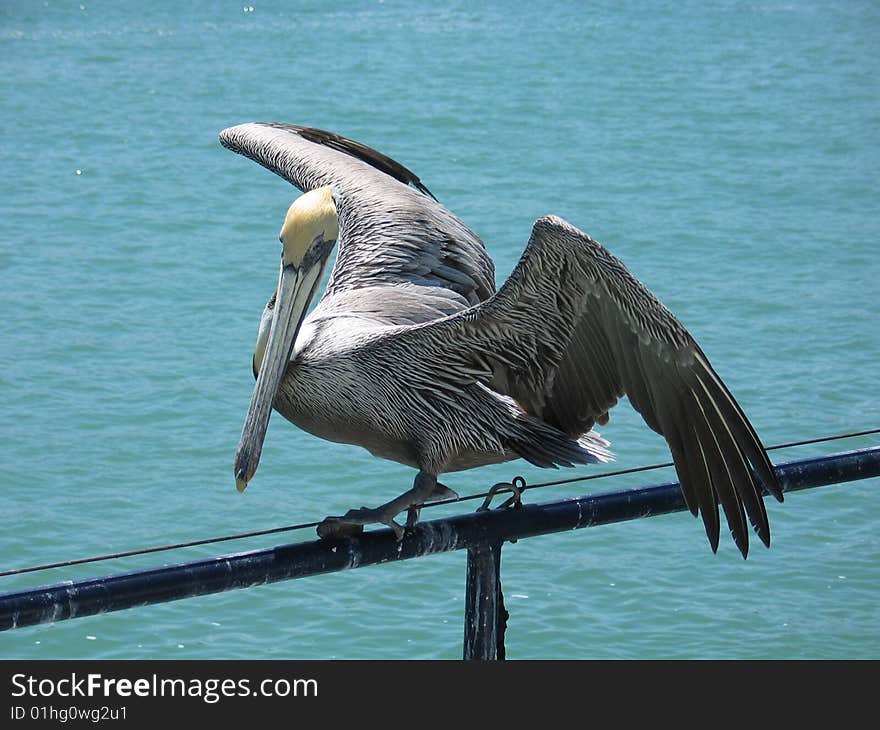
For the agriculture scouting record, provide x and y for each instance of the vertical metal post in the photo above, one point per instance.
(485, 618)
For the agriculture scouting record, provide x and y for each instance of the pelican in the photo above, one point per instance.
(413, 354)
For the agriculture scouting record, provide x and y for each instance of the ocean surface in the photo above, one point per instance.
(728, 152)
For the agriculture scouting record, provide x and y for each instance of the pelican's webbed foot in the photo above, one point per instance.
(352, 522)
(425, 488)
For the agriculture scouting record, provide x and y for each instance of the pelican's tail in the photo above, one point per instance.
(546, 446)
(596, 445)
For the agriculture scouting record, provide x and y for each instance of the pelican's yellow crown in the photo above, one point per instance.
(310, 215)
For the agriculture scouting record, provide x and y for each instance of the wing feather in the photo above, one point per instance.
(571, 331)
(390, 233)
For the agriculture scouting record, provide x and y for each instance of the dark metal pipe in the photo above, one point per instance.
(484, 614)
(73, 599)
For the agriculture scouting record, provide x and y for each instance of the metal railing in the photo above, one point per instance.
(481, 533)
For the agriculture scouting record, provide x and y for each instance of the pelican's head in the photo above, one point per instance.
(311, 222)
(308, 235)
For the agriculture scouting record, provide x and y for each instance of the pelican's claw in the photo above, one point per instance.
(425, 488)
(517, 485)
(335, 528)
(352, 523)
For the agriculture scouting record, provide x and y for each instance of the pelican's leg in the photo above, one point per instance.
(425, 487)
(441, 491)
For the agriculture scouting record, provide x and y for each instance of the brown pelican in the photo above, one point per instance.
(412, 354)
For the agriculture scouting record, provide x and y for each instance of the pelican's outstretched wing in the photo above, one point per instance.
(389, 232)
(572, 331)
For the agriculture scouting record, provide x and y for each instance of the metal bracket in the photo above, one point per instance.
(517, 485)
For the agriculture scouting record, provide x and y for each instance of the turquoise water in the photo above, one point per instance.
(727, 151)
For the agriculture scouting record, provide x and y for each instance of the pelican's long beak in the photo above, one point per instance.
(308, 236)
(297, 286)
